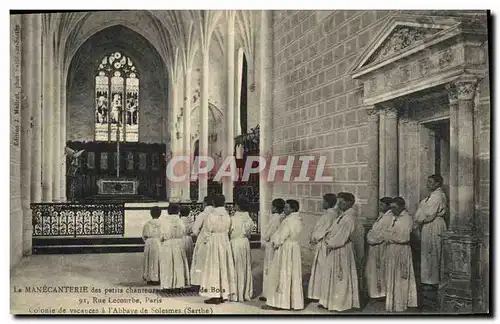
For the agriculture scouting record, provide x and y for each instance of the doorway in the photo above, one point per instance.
(435, 154)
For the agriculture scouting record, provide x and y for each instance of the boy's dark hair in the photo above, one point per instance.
(294, 204)
(173, 209)
(155, 212)
(386, 200)
(185, 211)
(347, 196)
(331, 199)
(219, 200)
(279, 204)
(243, 203)
(209, 200)
(399, 201)
(437, 178)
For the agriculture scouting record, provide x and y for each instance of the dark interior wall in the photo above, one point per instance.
(152, 84)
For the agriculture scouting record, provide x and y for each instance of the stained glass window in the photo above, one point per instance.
(117, 99)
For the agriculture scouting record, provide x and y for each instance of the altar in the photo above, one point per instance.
(117, 186)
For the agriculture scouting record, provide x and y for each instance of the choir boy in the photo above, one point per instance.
(188, 221)
(285, 289)
(277, 216)
(151, 234)
(218, 278)
(200, 231)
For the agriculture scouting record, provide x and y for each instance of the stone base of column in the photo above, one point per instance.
(458, 272)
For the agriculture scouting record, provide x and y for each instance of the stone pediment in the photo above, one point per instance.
(401, 36)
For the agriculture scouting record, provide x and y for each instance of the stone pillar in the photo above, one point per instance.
(453, 194)
(390, 152)
(48, 121)
(203, 152)
(36, 112)
(28, 62)
(373, 167)
(187, 134)
(175, 143)
(264, 68)
(460, 244)
(56, 149)
(62, 189)
(228, 184)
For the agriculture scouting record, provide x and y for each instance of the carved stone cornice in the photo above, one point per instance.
(466, 89)
(373, 114)
(452, 93)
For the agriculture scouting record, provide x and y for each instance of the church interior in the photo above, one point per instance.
(102, 100)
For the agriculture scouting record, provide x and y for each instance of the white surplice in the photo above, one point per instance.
(342, 292)
(241, 228)
(199, 252)
(316, 281)
(188, 240)
(174, 267)
(431, 212)
(271, 228)
(285, 289)
(401, 289)
(151, 234)
(218, 277)
(375, 262)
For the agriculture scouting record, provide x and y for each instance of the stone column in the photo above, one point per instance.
(48, 121)
(465, 92)
(373, 164)
(62, 189)
(228, 182)
(460, 244)
(390, 152)
(187, 134)
(264, 69)
(36, 112)
(56, 149)
(27, 85)
(453, 195)
(203, 178)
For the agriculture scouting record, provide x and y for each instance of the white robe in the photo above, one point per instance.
(342, 292)
(241, 228)
(318, 234)
(375, 262)
(218, 278)
(401, 288)
(267, 233)
(151, 235)
(199, 252)
(431, 212)
(188, 240)
(174, 268)
(285, 289)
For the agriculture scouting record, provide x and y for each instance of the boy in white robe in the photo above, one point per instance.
(241, 229)
(430, 216)
(316, 281)
(275, 220)
(174, 268)
(401, 288)
(285, 290)
(342, 292)
(188, 221)
(200, 232)
(151, 234)
(218, 278)
(375, 262)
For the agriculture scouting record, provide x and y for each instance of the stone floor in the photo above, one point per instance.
(119, 271)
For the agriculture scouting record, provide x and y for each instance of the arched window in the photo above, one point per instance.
(116, 79)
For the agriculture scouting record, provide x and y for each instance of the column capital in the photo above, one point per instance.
(466, 89)
(391, 112)
(373, 113)
(452, 93)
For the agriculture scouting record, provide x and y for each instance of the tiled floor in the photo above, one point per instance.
(119, 271)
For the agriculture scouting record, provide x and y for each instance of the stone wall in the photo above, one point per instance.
(317, 105)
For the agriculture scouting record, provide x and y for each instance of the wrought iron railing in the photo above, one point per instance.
(71, 219)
